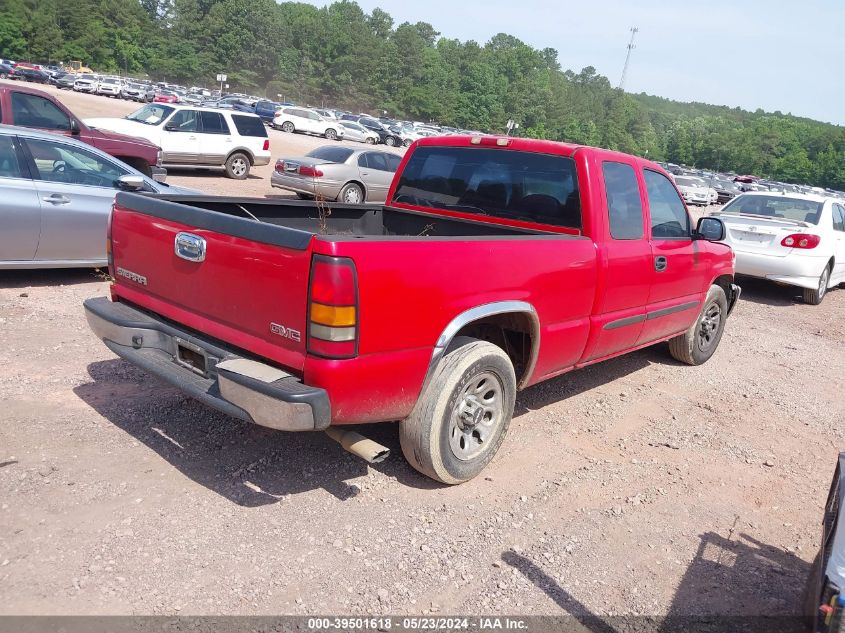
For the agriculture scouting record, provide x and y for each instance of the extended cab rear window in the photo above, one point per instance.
(249, 125)
(504, 183)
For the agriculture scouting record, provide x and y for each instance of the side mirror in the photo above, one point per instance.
(74, 127)
(170, 127)
(710, 229)
(130, 182)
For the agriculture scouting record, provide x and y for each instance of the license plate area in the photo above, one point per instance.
(191, 357)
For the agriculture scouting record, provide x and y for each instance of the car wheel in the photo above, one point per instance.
(287, 126)
(3, 75)
(370, 140)
(351, 194)
(237, 166)
(463, 414)
(330, 134)
(699, 342)
(406, 142)
(390, 141)
(815, 296)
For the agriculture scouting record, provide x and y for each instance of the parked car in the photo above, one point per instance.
(385, 135)
(63, 81)
(794, 239)
(725, 191)
(109, 86)
(86, 83)
(694, 190)
(29, 107)
(166, 96)
(307, 122)
(338, 173)
(57, 196)
(193, 98)
(485, 272)
(5, 70)
(137, 92)
(198, 137)
(353, 131)
(267, 110)
(825, 590)
(24, 73)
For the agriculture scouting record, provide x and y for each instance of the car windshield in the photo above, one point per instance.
(331, 154)
(508, 184)
(688, 182)
(109, 81)
(797, 209)
(151, 114)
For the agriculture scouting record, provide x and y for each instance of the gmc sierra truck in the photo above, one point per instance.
(495, 264)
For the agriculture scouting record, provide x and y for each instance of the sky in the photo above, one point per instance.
(771, 54)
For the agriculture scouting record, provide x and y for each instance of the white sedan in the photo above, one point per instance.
(793, 239)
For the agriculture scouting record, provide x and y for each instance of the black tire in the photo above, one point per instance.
(352, 193)
(699, 342)
(139, 164)
(288, 127)
(4, 76)
(407, 142)
(443, 437)
(370, 140)
(304, 196)
(815, 296)
(237, 166)
(330, 134)
(390, 141)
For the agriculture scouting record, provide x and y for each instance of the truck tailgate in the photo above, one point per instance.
(248, 293)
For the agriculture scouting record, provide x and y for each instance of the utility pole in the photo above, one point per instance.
(634, 31)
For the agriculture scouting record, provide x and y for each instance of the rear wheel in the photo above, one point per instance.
(390, 141)
(370, 140)
(287, 126)
(463, 414)
(406, 142)
(351, 193)
(699, 342)
(237, 166)
(814, 296)
(139, 164)
(331, 134)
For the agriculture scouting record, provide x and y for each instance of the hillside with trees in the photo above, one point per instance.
(344, 57)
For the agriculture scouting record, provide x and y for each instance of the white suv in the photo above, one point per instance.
(86, 83)
(293, 119)
(197, 137)
(109, 86)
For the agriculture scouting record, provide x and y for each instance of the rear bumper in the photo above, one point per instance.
(240, 387)
(736, 291)
(796, 270)
(261, 160)
(310, 186)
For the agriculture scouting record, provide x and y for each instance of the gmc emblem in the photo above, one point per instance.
(285, 332)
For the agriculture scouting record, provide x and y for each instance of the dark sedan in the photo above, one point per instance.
(5, 70)
(63, 80)
(385, 136)
(30, 74)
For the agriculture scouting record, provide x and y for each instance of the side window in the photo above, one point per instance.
(34, 111)
(838, 218)
(393, 162)
(213, 123)
(669, 217)
(9, 165)
(58, 162)
(362, 160)
(375, 160)
(183, 121)
(313, 116)
(624, 206)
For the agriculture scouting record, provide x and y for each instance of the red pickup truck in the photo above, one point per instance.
(30, 107)
(495, 264)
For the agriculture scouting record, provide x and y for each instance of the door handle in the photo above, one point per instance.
(56, 198)
(660, 263)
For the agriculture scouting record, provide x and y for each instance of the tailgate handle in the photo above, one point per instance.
(190, 247)
(660, 263)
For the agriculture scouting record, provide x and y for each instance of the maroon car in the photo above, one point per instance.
(29, 107)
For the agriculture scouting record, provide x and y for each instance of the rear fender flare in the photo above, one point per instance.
(477, 313)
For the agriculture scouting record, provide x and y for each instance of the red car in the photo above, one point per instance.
(165, 96)
(29, 107)
(496, 264)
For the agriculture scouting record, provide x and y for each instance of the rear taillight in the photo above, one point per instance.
(333, 308)
(266, 144)
(311, 172)
(801, 240)
(280, 166)
(109, 253)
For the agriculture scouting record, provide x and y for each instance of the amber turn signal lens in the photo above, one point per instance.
(333, 316)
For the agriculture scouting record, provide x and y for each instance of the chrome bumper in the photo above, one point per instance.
(240, 387)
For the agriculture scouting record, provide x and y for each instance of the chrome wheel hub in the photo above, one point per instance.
(709, 326)
(476, 417)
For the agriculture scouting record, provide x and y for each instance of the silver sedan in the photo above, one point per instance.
(57, 194)
(338, 173)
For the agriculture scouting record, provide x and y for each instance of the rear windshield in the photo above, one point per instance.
(249, 125)
(503, 183)
(777, 207)
(331, 154)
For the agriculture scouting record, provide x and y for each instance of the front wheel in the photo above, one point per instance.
(370, 140)
(390, 141)
(237, 166)
(287, 126)
(463, 414)
(407, 142)
(330, 134)
(814, 296)
(699, 342)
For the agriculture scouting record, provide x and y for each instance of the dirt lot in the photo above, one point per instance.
(638, 486)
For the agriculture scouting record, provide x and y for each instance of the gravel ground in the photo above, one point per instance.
(636, 486)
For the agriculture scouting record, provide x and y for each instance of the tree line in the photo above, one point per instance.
(342, 56)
